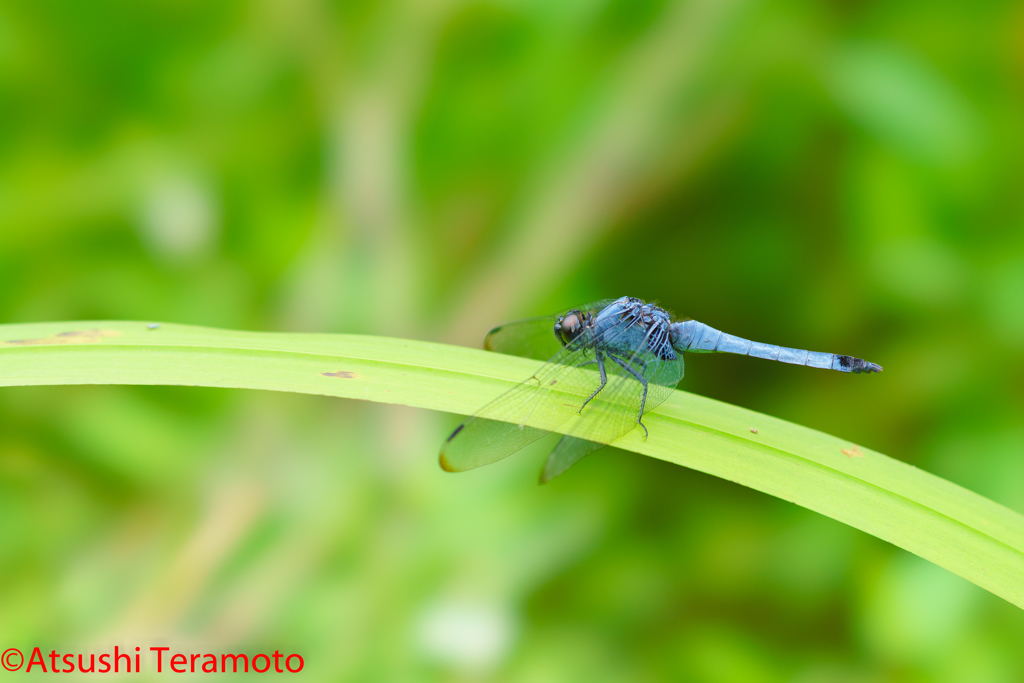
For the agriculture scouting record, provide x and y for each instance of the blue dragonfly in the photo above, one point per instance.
(618, 359)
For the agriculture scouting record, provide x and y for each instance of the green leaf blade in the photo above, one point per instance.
(933, 518)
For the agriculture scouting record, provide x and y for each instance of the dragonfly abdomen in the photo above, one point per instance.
(697, 337)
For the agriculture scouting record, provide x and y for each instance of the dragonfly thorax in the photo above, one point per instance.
(629, 325)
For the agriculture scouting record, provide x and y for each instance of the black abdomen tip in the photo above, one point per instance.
(856, 365)
(861, 365)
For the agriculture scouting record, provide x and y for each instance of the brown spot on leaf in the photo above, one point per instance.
(344, 374)
(852, 452)
(70, 337)
(753, 430)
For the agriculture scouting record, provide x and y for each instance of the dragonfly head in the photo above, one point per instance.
(570, 326)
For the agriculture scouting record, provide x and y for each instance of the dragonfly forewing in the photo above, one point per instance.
(524, 413)
(533, 337)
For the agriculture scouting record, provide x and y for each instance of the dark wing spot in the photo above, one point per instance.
(344, 374)
(457, 430)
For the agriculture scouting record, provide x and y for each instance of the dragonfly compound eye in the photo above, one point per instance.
(569, 327)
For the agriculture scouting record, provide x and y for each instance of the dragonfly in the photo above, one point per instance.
(608, 363)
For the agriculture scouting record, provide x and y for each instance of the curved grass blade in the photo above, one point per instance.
(940, 521)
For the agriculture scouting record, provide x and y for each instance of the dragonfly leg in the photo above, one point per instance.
(643, 381)
(604, 380)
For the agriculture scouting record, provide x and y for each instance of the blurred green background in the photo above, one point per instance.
(841, 176)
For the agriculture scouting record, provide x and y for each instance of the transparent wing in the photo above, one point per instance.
(546, 399)
(616, 410)
(662, 378)
(479, 441)
(533, 337)
(563, 395)
(567, 453)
